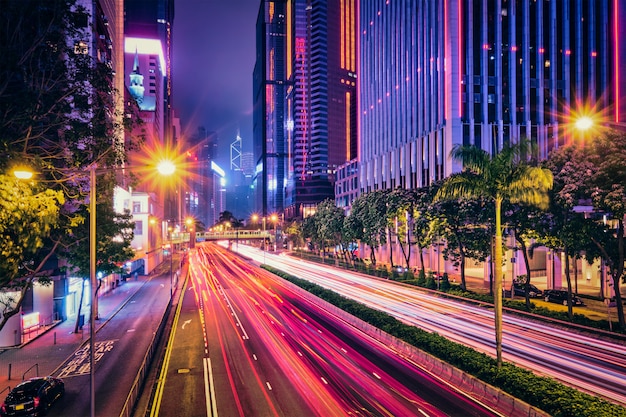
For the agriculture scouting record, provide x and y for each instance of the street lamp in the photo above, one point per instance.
(583, 123)
(189, 221)
(264, 243)
(274, 219)
(171, 230)
(165, 167)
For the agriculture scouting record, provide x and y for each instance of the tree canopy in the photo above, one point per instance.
(58, 118)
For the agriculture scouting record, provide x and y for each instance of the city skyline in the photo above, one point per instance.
(214, 52)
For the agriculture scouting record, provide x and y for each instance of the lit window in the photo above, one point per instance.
(81, 47)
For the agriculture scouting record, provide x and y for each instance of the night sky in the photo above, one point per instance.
(214, 55)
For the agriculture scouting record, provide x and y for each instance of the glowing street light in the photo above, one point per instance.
(23, 173)
(164, 168)
(583, 123)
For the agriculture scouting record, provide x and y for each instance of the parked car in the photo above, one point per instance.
(560, 296)
(33, 397)
(533, 291)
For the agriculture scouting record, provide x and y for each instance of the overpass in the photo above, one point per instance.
(235, 234)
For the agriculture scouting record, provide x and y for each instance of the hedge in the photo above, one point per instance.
(547, 394)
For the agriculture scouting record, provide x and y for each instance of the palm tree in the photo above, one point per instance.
(502, 177)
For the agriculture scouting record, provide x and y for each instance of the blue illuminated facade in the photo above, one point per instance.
(433, 74)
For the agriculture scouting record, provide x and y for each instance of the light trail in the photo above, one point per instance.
(582, 361)
(289, 344)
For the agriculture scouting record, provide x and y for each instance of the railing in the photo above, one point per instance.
(36, 366)
(235, 234)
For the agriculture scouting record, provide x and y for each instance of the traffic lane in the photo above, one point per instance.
(121, 345)
(388, 382)
(355, 382)
(542, 348)
(183, 391)
(242, 387)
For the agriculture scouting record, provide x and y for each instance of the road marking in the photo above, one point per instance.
(268, 385)
(79, 363)
(158, 392)
(209, 389)
(186, 322)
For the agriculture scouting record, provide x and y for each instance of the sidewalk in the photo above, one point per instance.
(42, 354)
(593, 309)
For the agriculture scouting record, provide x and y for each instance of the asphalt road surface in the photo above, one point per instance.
(244, 344)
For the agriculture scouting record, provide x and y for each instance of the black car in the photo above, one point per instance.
(560, 296)
(33, 397)
(533, 291)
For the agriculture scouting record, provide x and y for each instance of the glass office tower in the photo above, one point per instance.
(433, 74)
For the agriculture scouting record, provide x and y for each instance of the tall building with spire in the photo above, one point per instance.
(269, 99)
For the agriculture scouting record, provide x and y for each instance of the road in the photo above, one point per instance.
(120, 348)
(268, 352)
(583, 361)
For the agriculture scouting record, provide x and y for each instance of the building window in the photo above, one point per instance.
(138, 227)
(136, 207)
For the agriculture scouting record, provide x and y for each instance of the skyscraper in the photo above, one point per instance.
(321, 122)
(436, 74)
(269, 94)
(305, 100)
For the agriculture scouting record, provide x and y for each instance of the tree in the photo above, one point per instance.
(422, 218)
(329, 221)
(501, 177)
(608, 153)
(567, 230)
(461, 223)
(226, 217)
(524, 221)
(293, 231)
(310, 230)
(27, 217)
(370, 214)
(113, 246)
(400, 207)
(596, 175)
(57, 117)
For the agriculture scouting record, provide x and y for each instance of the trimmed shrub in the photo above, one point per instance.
(544, 393)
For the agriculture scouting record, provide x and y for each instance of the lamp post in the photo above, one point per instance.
(164, 168)
(274, 219)
(171, 230)
(94, 287)
(264, 243)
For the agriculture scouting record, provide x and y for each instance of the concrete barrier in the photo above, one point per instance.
(465, 383)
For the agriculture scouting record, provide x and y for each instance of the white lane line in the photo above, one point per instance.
(209, 389)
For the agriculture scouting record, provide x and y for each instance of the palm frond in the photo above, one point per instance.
(472, 158)
(461, 185)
